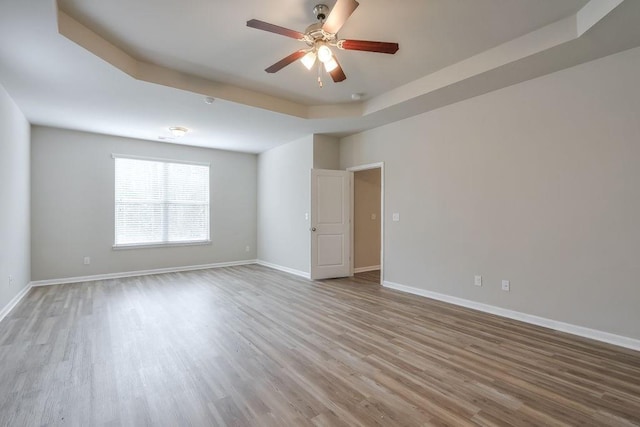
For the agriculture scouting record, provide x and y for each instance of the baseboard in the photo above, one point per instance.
(79, 279)
(581, 331)
(285, 269)
(365, 269)
(11, 305)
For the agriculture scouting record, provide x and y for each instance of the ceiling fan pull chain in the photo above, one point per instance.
(320, 75)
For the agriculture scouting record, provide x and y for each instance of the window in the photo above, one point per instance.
(160, 202)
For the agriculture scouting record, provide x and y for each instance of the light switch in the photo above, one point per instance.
(477, 281)
(396, 217)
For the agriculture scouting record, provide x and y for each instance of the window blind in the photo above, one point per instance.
(160, 202)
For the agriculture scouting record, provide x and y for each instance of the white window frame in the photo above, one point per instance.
(206, 241)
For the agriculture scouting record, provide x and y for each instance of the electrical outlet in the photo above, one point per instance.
(506, 286)
(87, 260)
(247, 248)
(306, 216)
(373, 217)
(396, 217)
(477, 280)
(10, 279)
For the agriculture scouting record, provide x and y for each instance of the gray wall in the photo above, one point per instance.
(366, 231)
(538, 183)
(73, 205)
(14, 200)
(283, 200)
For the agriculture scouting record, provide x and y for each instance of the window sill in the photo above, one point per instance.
(159, 245)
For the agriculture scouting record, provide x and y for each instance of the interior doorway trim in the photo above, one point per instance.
(368, 166)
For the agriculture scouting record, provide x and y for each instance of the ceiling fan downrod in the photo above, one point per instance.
(321, 11)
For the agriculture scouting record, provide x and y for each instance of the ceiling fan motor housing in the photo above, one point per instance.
(321, 11)
(314, 34)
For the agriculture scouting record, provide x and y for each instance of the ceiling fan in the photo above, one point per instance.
(319, 38)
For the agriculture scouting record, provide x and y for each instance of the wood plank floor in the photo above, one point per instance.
(250, 346)
(371, 276)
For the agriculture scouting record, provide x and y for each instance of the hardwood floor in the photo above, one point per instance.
(253, 346)
(369, 276)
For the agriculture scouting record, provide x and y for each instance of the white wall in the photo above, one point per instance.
(14, 200)
(538, 183)
(73, 205)
(283, 200)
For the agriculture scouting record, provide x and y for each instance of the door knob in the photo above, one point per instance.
(313, 229)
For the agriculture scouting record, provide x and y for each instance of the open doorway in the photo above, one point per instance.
(368, 222)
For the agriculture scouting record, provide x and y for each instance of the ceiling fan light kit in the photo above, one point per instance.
(319, 38)
(309, 59)
(331, 64)
(324, 53)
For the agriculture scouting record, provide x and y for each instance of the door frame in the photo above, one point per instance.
(379, 165)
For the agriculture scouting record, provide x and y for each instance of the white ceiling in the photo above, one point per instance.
(210, 39)
(146, 65)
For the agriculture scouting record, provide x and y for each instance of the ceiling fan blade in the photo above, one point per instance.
(337, 74)
(286, 61)
(265, 26)
(369, 46)
(339, 15)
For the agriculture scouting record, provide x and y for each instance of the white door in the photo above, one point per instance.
(330, 223)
